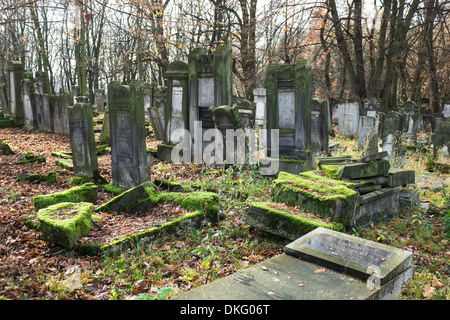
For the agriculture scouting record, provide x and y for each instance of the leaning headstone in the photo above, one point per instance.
(348, 119)
(15, 76)
(82, 140)
(127, 131)
(288, 89)
(441, 136)
(259, 97)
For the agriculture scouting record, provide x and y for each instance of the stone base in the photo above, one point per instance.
(165, 151)
(377, 206)
(409, 198)
(273, 166)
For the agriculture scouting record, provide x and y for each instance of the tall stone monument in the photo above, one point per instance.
(127, 132)
(288, 112)
(82, 140)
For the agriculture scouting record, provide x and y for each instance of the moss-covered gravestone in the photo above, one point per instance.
(288, 95)
(127, 131)
(82, 140)
(65, 223)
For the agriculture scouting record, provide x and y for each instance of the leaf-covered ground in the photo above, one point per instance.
(33, 269)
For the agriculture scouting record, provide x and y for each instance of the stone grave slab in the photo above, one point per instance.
(285, 277)
(351, 255)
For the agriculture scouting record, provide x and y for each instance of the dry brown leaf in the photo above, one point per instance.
(428, 291)
(319, 270)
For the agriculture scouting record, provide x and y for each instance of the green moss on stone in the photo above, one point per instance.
(31, 159)
(5, 148)
(325, 197)
(283, 223)
(83, 193)
(65, 223)
(49, 178)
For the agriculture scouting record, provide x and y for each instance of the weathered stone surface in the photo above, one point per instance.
(129, 166)
(377, 206)
(358, 170)
(282, 223)
(409, 198)
(317, 194)
(351, 255)
(374, 156)
(400, 177)
(65, 223)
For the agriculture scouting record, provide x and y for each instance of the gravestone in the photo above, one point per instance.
(231, 148)
(29, 106)
(367, 129)
(446, 111)
(177, 110)
(60, 105)
(100, 100)
(390, 132)
(210, 84)
(348, 119)
(411, 121)
(259, 97)
(441, 136)
(246, 110)
(127, 132)
(43, 103)
(15, 76)
(319, 126)
(176, 113)
(372, 107)
(82, 140)
(288, 112)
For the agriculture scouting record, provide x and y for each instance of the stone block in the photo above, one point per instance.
(400, 177)
(65, 223)
(319, 195)
(409, 198)
(83, 193)
(358, 170)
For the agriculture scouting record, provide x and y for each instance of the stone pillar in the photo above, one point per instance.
(15, 76)
(82, 140)
(29, 106)
(319, 126)
(259, 97)
(127, 132)
(100, 100)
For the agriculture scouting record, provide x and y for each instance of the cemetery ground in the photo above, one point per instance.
(32, 269)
